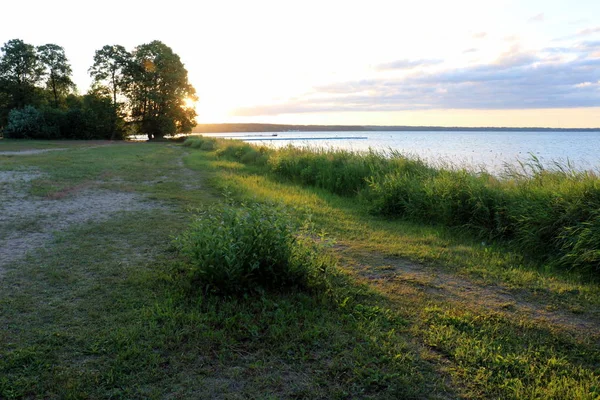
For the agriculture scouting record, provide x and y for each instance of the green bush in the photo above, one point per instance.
(24, 123)
(90, 120)
(247, 248)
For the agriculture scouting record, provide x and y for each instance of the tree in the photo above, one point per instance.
(111, 65)
(159, 91)
(57, 69)
(20, 72)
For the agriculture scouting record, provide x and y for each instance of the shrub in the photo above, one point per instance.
(247, 248)
(25, 123)
(54, 123)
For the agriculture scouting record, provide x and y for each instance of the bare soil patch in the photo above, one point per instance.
(28, 152)
(447, 287)
(27, 222)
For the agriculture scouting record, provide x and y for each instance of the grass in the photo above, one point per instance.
(527, 331)
(103, 311)
(18, 145)
(547, 214)
(106, 309)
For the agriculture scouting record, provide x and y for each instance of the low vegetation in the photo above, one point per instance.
(196, 294)
(248, 248)
(551, 215)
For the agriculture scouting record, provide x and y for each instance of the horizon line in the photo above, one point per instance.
(389, 127)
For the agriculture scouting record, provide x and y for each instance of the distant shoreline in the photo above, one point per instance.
(254, 127)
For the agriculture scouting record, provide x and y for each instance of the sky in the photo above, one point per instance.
(427, 62)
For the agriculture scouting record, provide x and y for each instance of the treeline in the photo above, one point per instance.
(254, 127)
(145, 91)
(552, 216)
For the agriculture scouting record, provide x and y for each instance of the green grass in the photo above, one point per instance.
(498, 324)
(547, 214)
(107, 309)
(21, 145)
(103, 310)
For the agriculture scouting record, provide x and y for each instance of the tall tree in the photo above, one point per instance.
(160, 92)
(20, 72)
(110, 70)
(57, 70)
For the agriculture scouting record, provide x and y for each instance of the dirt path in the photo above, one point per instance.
(28, 152)
(441, 286)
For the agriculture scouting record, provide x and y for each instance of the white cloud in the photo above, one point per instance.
(408, 64)
(517, 79)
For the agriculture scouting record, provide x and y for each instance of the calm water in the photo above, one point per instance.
(491, 150)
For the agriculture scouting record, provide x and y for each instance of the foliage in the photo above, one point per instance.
(148, 90)
(20, 72)
(246, 248)
(109, 69)
(244, 152)
(109, 72)
(88, 117)
(57, 69)
(24, 123)
(158, 90)
(199, 142)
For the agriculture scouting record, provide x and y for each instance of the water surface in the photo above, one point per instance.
(474, 149)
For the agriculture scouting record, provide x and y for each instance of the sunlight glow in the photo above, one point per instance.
(338, 61)
(189, 103)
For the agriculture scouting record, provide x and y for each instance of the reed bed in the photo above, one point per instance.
(549, 214)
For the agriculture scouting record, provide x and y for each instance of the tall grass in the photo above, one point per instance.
(550, 214)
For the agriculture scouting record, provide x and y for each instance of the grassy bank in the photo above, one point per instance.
(550, 215)
(493, 323)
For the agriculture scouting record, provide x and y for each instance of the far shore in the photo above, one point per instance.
(256, 127)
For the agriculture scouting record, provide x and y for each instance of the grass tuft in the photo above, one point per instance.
(251, 247)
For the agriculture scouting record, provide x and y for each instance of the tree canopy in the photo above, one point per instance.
(159, 90)
(57, 70)
(20, 73)
(144, 91)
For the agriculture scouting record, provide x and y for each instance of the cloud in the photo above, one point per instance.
(479, 35)
(589, 31)
(515, 57)
(408, 64)
(471, 50)
(517, 79)
(537, 18)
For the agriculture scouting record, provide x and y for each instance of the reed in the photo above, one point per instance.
(550, 214)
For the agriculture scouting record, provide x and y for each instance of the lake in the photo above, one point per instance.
(474, 149)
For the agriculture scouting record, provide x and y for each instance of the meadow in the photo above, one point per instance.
(335, 286)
